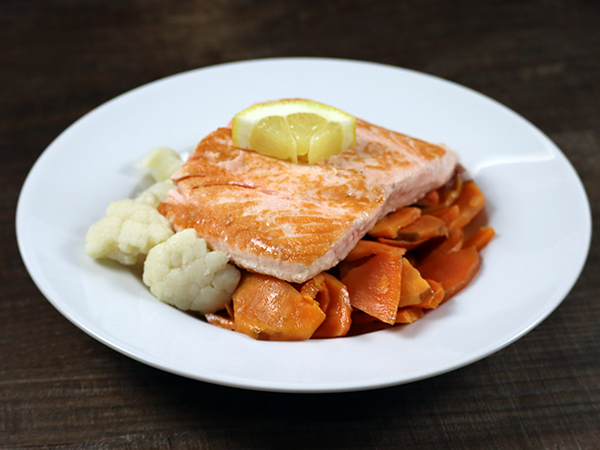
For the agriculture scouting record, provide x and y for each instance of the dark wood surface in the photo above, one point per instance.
(61, 389)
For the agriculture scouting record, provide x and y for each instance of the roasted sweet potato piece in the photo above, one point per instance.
(425, 227)
(366, 248)
(312, 287)
(346, 266)
(452, 243)
(414, 289)
(480, 238)
(374, 287)
(448, 195)
(334, 300)
(409, 314)
(431, 198)
(220, 321)
(452, 270)
(419, 232)
(267, 308)
(406, 245)
(470, 203)
(448, 214)
(388, 226)
(436, 299)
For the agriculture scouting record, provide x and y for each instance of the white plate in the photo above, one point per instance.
(536, 203)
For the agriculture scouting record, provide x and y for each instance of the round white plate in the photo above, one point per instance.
(536, 203)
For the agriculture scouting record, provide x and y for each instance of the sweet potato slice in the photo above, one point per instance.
(470, 203)
(335, 302)
(425, 227)
(436, 299)
(220, 321)
(448, 195)
(388, 226)
(312, 288)
(366, 248)
(448, 215)
(480, 238)
(374, 287)
(267, 308)
(406, 245)
(431, 198)
(346, 266)
(409, 314)
(452, 243)
(452, 270)
(414, 289)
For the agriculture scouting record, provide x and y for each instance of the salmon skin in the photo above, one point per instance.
(293, 221)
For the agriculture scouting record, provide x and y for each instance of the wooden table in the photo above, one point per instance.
(61, 389)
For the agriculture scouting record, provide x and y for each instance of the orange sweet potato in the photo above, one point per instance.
(388, 226)
(436, 299)
(366, 248)
(409, 314)
(431, 198)
(425, 227)
(470, 203)
(220, 321)
(480, 238)
(452, 243)
(374, 287)
(346, 266)
(312, 288)
(267, 308)
(334, 300)
(448, 195)
(414, 289)
(452, 270)
(406, 245)
(447, 214)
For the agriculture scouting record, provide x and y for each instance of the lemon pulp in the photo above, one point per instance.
(294, 130)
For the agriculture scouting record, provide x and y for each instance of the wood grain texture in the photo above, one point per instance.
(61, 389)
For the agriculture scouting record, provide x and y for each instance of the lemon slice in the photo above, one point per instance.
(294, 130)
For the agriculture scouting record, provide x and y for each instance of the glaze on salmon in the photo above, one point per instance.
(294, 221)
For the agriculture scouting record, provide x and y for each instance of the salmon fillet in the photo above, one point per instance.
(294, 221)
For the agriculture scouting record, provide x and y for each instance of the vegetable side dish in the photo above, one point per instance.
(371, 235)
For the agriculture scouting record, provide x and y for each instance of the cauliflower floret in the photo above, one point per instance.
(184, 273)
(162, 162)
(128, 232)
(156, 194)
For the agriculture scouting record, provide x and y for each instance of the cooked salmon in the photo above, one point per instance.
(294, 221)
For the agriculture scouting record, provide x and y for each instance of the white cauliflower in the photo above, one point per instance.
(184, 273)
(161, 162)
(128, 232)
(156, 194)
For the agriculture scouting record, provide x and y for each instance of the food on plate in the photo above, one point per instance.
(161, 162)
(128, 232)
(281, 245)
(294, 221)
(183, 272)
(133, 226)
(156, 194)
